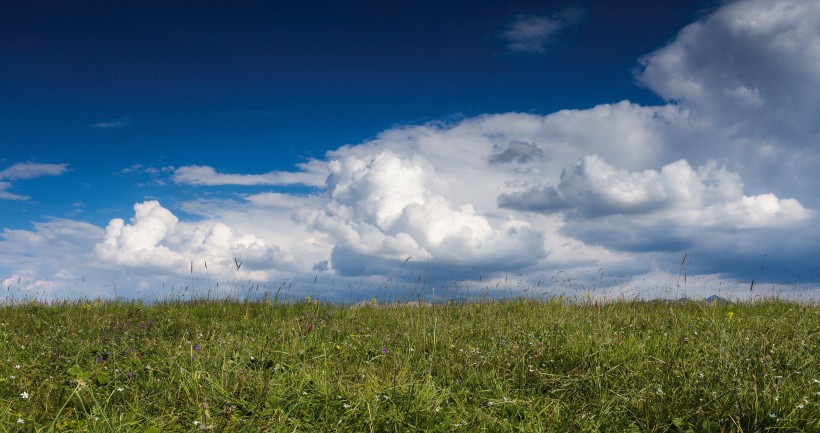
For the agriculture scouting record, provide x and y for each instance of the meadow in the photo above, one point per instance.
(497, 366)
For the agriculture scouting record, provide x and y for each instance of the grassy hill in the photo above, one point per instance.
(482, 366)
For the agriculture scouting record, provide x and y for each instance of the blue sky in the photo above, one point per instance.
(329, 142)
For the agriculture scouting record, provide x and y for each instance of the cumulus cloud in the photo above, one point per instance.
(617, 189)
(709, 196)
(156, 241)
(537, 33)
(312, 174)
(751, 64)
(385, 207)
(52, 259)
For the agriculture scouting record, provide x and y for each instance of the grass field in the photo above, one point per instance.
(483, 366)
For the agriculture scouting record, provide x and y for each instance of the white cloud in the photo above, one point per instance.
(51, 260)
(710, 196)
(312, 174)
(752, 64)
(385, 206)
(156, 241)
(725, 171)
(537, 33)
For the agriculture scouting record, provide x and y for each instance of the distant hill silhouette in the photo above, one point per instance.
(714, 298)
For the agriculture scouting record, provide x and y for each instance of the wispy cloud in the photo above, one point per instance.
(122, 122)
(313, 174)
(26, 170)
(536, 33)
(5, 195)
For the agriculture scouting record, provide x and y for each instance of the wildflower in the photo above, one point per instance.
(801, 406)
(20, 421)
(17, 366)
(24, 394)
(99, 359)
(384, 350)
(730, 314)
(196, 347)
(120, 389)
(346, 406)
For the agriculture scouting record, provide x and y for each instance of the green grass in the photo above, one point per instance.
(485, 366)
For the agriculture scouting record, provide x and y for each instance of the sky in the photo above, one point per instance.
(401, 149)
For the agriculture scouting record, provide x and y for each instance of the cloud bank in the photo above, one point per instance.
(611, 196)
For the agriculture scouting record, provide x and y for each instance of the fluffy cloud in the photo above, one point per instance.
(535, 34)
(611, 196)
(385, 207)
(156, 241)
(751, 64)
(53, 259)
(710, 196)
